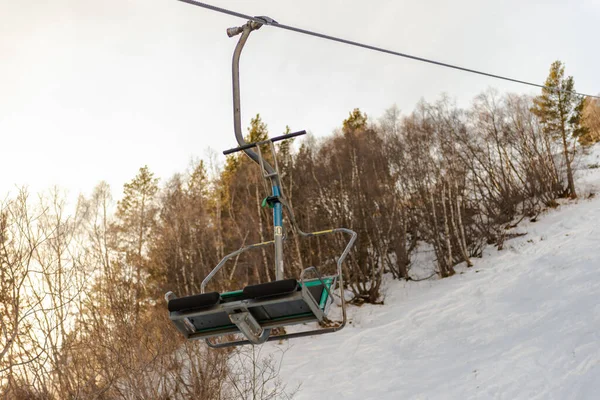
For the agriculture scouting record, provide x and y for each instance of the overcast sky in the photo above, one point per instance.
(93, 90)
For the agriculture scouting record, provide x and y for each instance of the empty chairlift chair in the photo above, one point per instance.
(255, 311)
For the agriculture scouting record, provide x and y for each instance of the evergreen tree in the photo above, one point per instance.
(559, 111)
(257, 132)
(355, 121)
(284, 154)
(136, 215)
(284, 148)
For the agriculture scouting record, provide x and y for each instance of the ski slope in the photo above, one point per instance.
(523, 323)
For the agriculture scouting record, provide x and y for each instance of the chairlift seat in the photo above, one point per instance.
(272, 305)
(196, 302)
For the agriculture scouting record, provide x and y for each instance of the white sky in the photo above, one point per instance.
(93, 90)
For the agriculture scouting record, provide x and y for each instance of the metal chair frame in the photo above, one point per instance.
(238, 311)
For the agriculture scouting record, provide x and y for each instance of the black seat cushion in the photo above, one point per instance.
(194, 302)
(276, 288)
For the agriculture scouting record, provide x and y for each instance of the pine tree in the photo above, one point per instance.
(136, 215)
(257, 132)
(355, 121)
(284, 148)
(559, 111)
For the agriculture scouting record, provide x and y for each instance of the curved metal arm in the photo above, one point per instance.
(341, 276)
(227, 257)
(237, 114)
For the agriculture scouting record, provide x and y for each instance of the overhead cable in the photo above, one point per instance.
(271, 22)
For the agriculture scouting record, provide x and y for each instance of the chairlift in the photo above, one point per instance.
(253, 314)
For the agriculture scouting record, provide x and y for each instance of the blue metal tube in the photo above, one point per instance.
(278, 239)
(277, 209)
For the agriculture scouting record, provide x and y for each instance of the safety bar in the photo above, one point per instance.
(258, 245)
(342, 297)
(275, 139)
(227, 257)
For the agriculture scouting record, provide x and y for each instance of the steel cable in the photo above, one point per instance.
(270, 22)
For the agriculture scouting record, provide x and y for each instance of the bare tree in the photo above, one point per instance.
(255, 376)
(591, 120)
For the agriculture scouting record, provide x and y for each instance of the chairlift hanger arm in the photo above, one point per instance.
(340, 283)
(245, 312)
(245, 31)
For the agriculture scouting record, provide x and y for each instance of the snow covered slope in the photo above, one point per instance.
(523, 323)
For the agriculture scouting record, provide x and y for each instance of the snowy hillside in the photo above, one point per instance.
(523, 323)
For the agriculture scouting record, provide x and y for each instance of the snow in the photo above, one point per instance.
(523, 323)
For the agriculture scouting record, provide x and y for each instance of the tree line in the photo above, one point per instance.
(81, 294)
